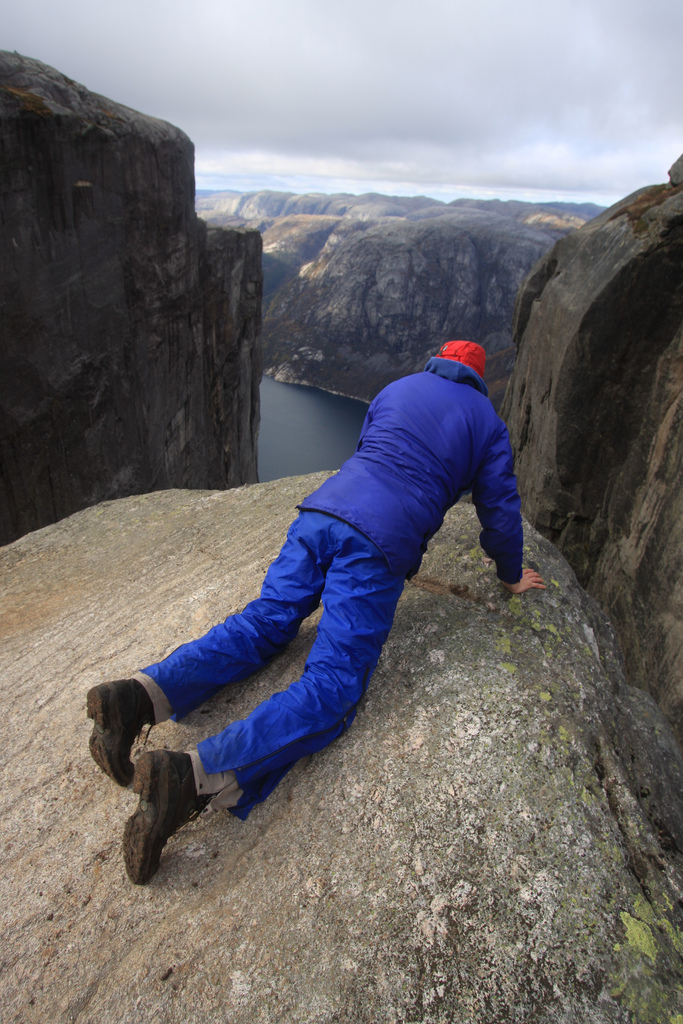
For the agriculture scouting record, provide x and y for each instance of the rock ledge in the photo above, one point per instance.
(496, 839)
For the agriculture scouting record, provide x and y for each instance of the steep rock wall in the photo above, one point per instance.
(595, 412)
(122, 328)
(497, 838)
(231, 283)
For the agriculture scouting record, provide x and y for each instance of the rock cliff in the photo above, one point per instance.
(130, 355)
(360, 290)
(595, 412)
(498, 837)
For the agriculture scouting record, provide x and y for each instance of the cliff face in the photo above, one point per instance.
(122, 327)
(377, 302)
(231, 283)
(360, 290)
(595, 413)
(496, 838)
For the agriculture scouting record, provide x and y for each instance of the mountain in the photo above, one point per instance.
(595, 411)
(359, 290)
(130, 355)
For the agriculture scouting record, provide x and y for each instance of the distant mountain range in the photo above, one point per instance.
(359, 290)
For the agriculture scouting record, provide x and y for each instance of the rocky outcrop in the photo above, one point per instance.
(676, 172)
(130, 354)
(595, 412)
(360, 290)
(498, 837)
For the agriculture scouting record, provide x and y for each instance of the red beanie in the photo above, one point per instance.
(467, 352)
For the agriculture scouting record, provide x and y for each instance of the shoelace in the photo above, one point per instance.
(204, 800)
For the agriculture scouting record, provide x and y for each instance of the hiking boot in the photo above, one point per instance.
(119, 710)
(168, 799)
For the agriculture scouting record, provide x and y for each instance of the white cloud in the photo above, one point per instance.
(567, 96)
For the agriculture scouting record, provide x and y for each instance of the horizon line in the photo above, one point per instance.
(212, 183)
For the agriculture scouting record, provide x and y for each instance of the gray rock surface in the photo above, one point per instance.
(360, 290)
(594, 408)
(496, 839)
(676, 172)
(130, 355)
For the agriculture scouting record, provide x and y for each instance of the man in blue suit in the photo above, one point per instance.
(427, 439)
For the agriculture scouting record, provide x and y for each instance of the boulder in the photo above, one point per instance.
(595, 412)
(498, 837)
(130, 354)
(676, 172)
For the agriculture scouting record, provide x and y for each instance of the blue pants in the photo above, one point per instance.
(322, 557)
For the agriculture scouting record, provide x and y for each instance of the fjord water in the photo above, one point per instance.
(305, 429)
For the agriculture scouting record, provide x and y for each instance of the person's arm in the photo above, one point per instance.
(497, 503)
(498, 506)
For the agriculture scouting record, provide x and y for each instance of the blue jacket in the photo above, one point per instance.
(427, 439)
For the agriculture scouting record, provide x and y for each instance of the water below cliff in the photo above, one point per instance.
(305, 429)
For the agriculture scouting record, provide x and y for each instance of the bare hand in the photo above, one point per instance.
(530, 580)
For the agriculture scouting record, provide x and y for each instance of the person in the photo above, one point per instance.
(427, 439)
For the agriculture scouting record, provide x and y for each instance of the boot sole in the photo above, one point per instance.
(105, 741)
(143, 838)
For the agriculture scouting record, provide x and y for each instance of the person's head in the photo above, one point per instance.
(467, 352)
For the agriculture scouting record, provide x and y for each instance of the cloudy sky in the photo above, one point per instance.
(568, 99)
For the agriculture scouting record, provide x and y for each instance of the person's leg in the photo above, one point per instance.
(359, 602)
(228, 652)
(168, 799)
(247, 641)
(251, 756)
(119, 710)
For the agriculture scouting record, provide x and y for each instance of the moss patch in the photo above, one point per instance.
(652, 197)
(30, 101)
(639, 936)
